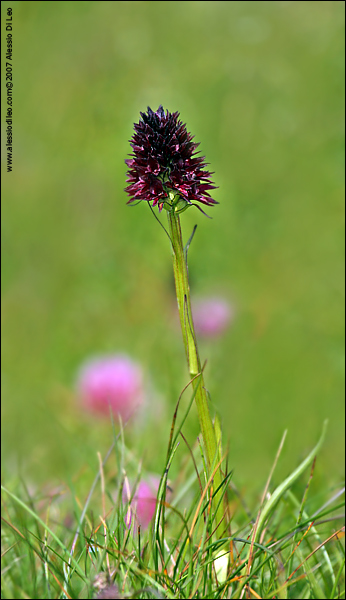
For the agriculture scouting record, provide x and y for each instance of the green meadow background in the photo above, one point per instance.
(260, 85)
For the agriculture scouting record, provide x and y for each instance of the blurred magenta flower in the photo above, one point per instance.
(109, 592)
(211, 316)
(111, 382)
(163, 167)
(143, 504)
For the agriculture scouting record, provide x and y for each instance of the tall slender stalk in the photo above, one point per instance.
(211, 443)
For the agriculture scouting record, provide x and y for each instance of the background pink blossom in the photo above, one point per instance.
(114, 382)
(211, 316)
(143, 504)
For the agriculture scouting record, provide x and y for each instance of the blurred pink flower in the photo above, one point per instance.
(143, 504)
(211, 316)
(114, 382)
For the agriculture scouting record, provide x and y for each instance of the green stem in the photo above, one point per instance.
(211, 443)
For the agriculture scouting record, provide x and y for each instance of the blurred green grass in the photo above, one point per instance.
(260, 84)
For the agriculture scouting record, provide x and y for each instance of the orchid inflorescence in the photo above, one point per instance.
(164, 168)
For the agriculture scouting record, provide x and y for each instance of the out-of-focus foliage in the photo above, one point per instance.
(260, 85)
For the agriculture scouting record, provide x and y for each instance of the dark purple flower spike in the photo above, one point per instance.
(164, 168)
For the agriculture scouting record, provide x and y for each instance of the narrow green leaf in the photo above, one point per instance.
(33, 514)
(285, 485)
